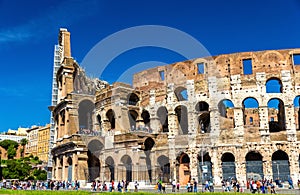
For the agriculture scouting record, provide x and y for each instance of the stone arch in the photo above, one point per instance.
(228, 166)
(280, 165)
(94, 148)
(99, 121)
(203, 117)
(204, 166)
(276, 115)
(204, 122)
(225, 108)
(181, 94)
(110, 115)
(132, 115)
(133, 99)
(297, 111)
(109, 169)
(164, 164)
(85, 114)
(70, 168)
(250, 112)
(254, 165)
(202, 106)
(184, 169)
(146, 119)
(182, 119)
(274, 85)
(272, 56)
(162, 114)
(126, 171)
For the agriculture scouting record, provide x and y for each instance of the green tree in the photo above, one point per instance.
(6, 143)
(17, 169)
(11, 152)
(23, 143)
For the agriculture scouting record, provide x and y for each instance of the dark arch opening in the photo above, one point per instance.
(85, 112)
(94, 149)
(274, 85)
(132, 115)
(182, 118)
(127, 163)
(146, 119)
(110, 114)
(162, 114)
(228, 166)
(280, 165)
(202, 106)
(254, 165)
(164, 164)
(204, 122)
(133, 99)
(204, 167)
(276, 115)
(110, 168)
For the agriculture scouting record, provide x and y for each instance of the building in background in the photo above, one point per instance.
(32, 145)
(43, 143)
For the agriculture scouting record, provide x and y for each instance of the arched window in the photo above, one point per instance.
(163, 162)
(132, 115)
(182, 119)
(110, 114)
(146, 119)
(274, 85)
(276, 115)
(133, 99)
(280, 165)
(181, 94)
(202, 106)
(250, 112)
(162, 114)
(85, 112)
(254, 166)
(127, 164)
(226, 108)
(228, 166)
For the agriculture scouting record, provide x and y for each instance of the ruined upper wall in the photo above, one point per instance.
(272, 62)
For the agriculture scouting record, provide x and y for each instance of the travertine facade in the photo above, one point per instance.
(235, 114)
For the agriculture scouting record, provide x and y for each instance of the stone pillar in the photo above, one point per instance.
(240, 169)
(267, 166)
(82, 171)
(75, 166)
(193, 163)
(290, 123)
(264, 124)
(59, 169)
(216, 167)
(239, 123)
(294, 162)
(64, 168)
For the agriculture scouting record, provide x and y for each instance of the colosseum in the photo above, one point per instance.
(212, 118)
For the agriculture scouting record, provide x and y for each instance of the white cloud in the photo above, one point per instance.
(66, 13)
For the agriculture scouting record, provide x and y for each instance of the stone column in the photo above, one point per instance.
(82, 171)
(193, 163)
(216, 167)
(239, 123)
(240, 169)
(64, 168)
(264, 124)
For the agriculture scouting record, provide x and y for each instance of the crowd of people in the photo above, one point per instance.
(41, 185)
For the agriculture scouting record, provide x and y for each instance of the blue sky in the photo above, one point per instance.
(28, 33)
